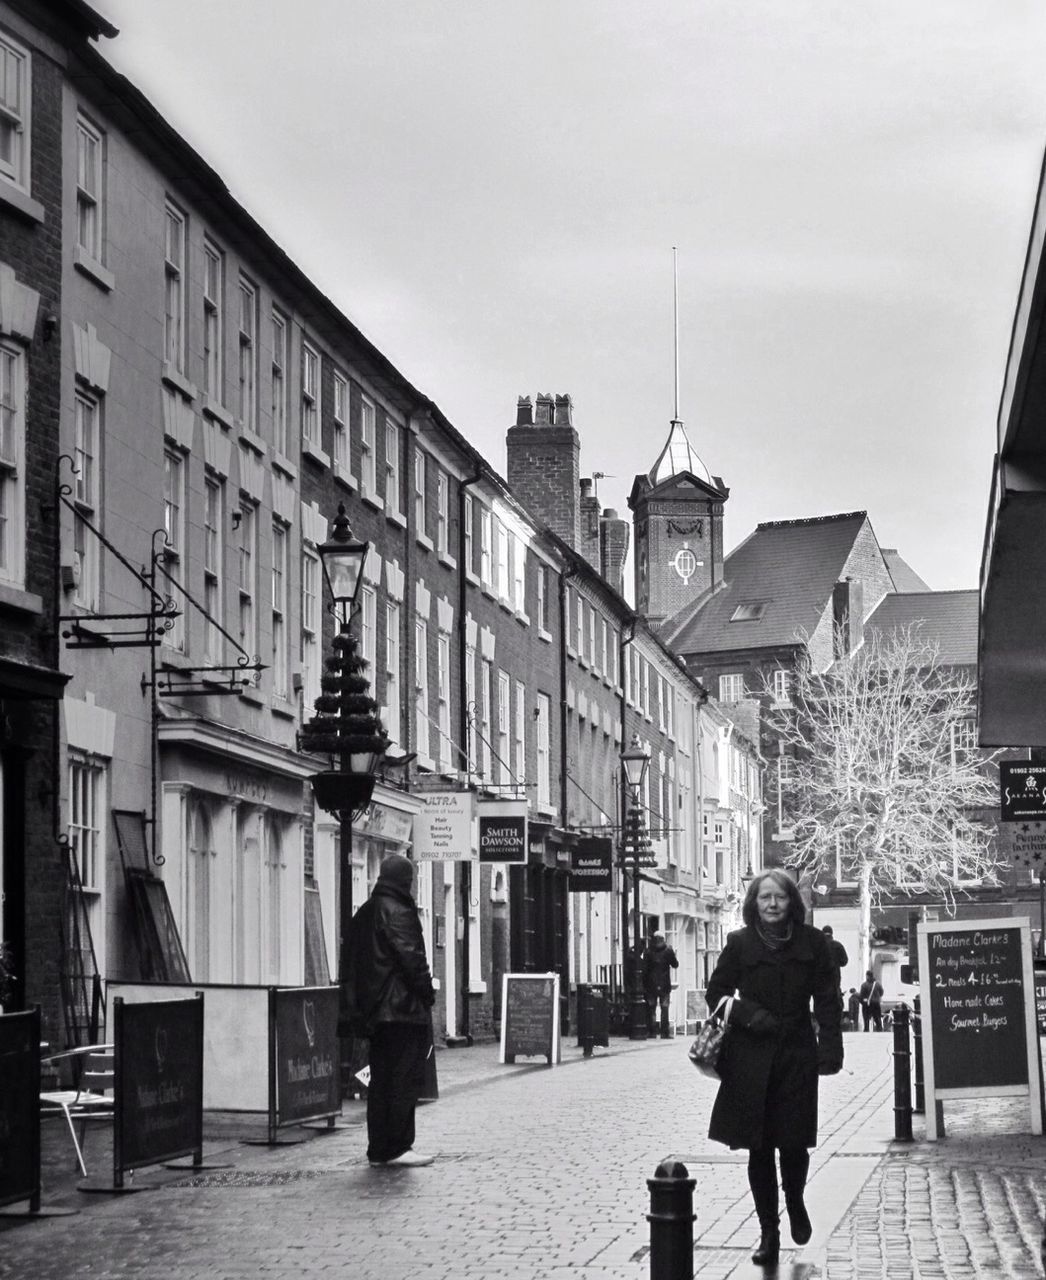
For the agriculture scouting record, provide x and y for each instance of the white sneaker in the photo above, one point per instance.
(412, 1159)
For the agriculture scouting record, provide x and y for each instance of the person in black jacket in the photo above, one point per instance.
(386, 996)
(659, 960)
(772, 1057)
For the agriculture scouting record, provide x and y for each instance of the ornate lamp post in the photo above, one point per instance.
(346, 723)
(636, 850)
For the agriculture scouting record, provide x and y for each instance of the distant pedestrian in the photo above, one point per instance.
(387, 997)
(871, 998)
(853, 1009)
(658, 962)
(773, 1056)
(839, 955)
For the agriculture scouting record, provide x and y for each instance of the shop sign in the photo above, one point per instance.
(386, 823)
(443, 828)
(503, 831)
(1022, 790)
(590, 865)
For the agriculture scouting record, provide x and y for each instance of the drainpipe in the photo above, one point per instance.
(465, 729)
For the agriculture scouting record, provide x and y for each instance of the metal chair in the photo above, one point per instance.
(91, 1098)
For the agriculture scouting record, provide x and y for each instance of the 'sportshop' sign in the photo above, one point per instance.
(1022, 789)
(443, 828)
(590, 865)
(503, 831)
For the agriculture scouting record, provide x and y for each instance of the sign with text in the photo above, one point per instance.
(304, 1022)
(443, 828)
(590, 865)
(503, 831)
(530, 1017)
(979, 1032)
(1022, 790)
(20, 1108)
(158, 1083)
(1023, 843)
(1040, 999)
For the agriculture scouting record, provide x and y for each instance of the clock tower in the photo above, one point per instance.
(677, 516)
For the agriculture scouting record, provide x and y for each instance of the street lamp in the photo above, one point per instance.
(346, 723)
(636, 849)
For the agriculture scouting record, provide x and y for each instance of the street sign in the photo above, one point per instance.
(1022, 790)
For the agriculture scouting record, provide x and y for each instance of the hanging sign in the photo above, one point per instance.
(443, 828)
(503, 831)
(590, 865)
(1022, 790)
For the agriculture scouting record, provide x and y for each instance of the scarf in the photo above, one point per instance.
(774, 941)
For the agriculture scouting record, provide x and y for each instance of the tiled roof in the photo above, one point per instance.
(789, 567)
(904, 576)
(945, 618)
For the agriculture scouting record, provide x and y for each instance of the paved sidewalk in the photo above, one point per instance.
(542, 1175)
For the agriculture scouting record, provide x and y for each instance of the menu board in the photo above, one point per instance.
(530, 1016)
(975, 987)
(19, 1107)
(305, 1045)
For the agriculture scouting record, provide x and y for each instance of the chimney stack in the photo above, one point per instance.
(614, 535)
(544, 464)
(588, 522)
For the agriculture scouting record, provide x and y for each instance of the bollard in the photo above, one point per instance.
(902, 1077)
(917, 1047)
(671, 1219)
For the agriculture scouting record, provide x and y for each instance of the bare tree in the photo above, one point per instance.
(886, 779)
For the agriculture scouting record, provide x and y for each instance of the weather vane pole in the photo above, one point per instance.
(675, 329)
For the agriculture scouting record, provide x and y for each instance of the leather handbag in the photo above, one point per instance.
(705, 1052)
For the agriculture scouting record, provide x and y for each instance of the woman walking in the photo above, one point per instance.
(776, 965)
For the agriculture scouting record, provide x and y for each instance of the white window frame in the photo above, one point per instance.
(442, 512)
(213, 557)
(446, 758)
(87, 495)
(394, 712)
(782, 686)
(519, 575)
(420, 507)
(175, 523)
(519, 736)
(486, 697)
(504, 728)
(16, 114)
(368, 457)
(213, 320)
(311, 587)
(90, 188)
(280, 348)
(393, 497)
(88, 785)
(281, 537)
(247, 576)
(247, 354)
(176, 226)
(731, 687)
(501, 565)
(485, 557)
(543, 726)
(423, 736)
(310, 394)
(468, 516)
(369, 627)
(340, 443)
(473, 711)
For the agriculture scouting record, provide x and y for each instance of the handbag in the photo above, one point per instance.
(705, 1051)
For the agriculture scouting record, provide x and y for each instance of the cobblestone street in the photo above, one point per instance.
(541, 1173)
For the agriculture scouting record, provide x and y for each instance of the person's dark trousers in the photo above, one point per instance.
(866, 1014)
(762, 1178)
(795, 1165)
(397, 1061)
(876, 1012)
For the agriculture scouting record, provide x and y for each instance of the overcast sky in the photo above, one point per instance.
(491, 189)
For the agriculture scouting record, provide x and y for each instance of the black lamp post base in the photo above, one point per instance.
(637, 1020)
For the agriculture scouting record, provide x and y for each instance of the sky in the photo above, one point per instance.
(491, 191)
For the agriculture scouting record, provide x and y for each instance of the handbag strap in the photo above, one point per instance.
(729, 1002)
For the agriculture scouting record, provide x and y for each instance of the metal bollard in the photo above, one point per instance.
(917, 1046)
(671, 1219)
(902, 1077)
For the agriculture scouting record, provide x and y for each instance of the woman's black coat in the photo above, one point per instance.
(771, 1057)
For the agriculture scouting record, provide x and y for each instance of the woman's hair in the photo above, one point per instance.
(780, 877)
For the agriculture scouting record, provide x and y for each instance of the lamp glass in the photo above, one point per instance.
(636, 761)
(343, 558)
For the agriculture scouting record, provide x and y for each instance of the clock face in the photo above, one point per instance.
(685, 564)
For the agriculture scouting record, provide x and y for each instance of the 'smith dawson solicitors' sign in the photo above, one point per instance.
(503, 831)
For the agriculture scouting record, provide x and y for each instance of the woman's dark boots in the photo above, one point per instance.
(769, 1249)
(762, 1178)
(794, 1168)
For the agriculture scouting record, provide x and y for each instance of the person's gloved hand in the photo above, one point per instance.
(829, 1065)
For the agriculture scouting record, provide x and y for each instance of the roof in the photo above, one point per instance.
(678, 457)
(904, 576)
(946, 618)
(789, 567)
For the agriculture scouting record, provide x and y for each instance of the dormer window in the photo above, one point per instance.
(750, 612)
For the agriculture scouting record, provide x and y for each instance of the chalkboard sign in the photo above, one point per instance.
(158, 1090)
(304, 1071)
(20, 1108)
(696, 1008)
(978, 1013)
(530, 1016)
(1040, 999)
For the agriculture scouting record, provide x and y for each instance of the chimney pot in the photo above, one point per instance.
(544, 409)
(524, 412)
(564, 411)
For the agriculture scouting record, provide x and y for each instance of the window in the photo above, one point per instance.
(615, 659)
(603, 634)
(420, 518)
(15, 99)
(174, 288)
(544, 759)
(468, 516)
(392, 466)
(310, 396)
(89, 189)
(368, 471)
(591, 635)
(732, 687)
(368, 628)
(579, 626)
(501, 581)
(12, 465)
(443, 693)
(279, 383)
(341, 422)
(421, 689)
(471, 708)
(782, 685)
(248, 568)
(484, 547)
(542, 586)
(279, 609)
(213, 525)
(86, 497)
(174, 531)
(486, 695)
(662, 691)
(310, 628)
(963, 739)
(442, 513)
(87, 810)
(392, 670)
(248, 356)
(750, 612)
(504, 727)
(645, 666)
(670, 710)
(519, 762)
(519, 579)
(213, 285)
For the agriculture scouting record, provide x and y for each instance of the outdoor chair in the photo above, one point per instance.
(90, 1098)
